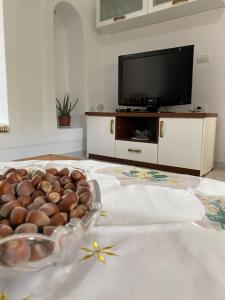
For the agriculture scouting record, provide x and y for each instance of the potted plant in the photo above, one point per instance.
(64, 110)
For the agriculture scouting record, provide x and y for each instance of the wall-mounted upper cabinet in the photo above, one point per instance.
(110, 12)
(119, 15)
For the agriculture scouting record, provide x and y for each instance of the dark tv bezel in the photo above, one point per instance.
(190, 55)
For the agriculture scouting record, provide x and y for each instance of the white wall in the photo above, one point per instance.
(205, 31)
(69, 58)
(30, 67)
(29, 38)
(3, 82)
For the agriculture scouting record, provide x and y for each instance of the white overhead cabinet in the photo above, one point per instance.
(119, 15)
(101, 136)
(112, 11)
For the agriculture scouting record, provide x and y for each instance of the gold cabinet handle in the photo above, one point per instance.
(161, 129)
(112, 126)
(119, 18)
(134, 150)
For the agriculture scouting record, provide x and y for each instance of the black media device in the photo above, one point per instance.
(156, 78)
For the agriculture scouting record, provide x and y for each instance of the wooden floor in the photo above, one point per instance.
(50, 157)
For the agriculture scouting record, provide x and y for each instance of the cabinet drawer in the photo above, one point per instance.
(143, 152)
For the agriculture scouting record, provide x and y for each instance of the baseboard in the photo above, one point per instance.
(219, 165)
(13, 153)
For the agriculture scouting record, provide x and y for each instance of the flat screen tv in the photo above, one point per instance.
(164, 75)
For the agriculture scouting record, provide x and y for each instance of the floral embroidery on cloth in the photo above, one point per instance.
(214, 206)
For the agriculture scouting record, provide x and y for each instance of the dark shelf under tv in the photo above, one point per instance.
(126, 128)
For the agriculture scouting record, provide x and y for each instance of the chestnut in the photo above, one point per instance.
(26, 228)
(58, 219)
(13, 177)
(5, 230)
(83, 183)
(65, 180)
(68, 202)
(38, 251)
(56, 187)
(36, 179)
(52, 171)
(5, 222)
(69, 186)
(36, 194)
(10, 170)
(2, 177)
(64, 172)
(5, 187)
(48, 230)
(86, 198)
(53, 197)
(78, 213)
(45, 186)
(1, 251)
(24, 188)
(48, 177)
(18, 215)
(16, 252)
(24, 200)
(8, 207)
(39, 201)
(49, 209)
(8, 197)
(22, 172)
(38, 218)
(77, 175)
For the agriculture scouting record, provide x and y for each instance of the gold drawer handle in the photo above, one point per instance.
(134, 150)
(161, 129)
(119, 18)
(112, 126)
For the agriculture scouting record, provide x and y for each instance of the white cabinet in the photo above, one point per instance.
(136, 151)
(101, 136)
(187, 143)
(119, 15)
(180, 143)
(183, 143)
(111, 11)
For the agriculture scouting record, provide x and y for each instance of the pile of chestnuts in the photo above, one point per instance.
(38, 202)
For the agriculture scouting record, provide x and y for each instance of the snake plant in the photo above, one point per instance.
(66, 107)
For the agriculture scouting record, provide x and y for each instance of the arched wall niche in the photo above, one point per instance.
(69, 58)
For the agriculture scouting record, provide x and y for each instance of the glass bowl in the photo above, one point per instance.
(60, 248)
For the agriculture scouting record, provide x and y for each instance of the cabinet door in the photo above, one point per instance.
(180, 143)
(101, 136)
(109, 11)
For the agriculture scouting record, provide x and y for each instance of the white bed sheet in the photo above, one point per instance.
(161, 262)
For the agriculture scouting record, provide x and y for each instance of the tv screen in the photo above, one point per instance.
(164, 75)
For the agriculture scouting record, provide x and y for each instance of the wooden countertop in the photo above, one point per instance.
(153, 115)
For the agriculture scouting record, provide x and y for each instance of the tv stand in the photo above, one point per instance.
(177, 142)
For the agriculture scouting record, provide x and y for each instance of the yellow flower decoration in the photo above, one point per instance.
(3, 296)
(104, 214)
(99, 252)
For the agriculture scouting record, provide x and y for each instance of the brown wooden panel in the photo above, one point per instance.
(146, 165)
(153, 115)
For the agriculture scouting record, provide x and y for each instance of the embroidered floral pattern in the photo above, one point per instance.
(98, 252)
(4, 296)
(154, 176)
(215, 211)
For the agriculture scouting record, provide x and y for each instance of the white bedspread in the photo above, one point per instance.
(159, 262)
(170, 261)
(140, 205)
